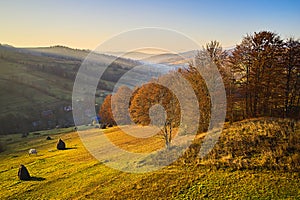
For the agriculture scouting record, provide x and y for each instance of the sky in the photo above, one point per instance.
(86, 24)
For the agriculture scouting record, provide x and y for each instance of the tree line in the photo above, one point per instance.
(261, 76)
(265, 73)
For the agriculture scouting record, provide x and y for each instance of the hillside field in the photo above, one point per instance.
(75, 174)
(38, 80)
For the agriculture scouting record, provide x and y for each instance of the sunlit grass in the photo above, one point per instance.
(75, 174)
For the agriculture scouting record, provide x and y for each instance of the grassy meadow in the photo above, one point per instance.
(75, 174)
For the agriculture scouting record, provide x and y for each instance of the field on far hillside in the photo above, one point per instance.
(37, 83)
(75, 174)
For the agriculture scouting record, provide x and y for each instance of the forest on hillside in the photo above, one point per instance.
(261, 76)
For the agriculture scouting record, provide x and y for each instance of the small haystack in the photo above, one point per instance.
(61, 145)
(23, 173)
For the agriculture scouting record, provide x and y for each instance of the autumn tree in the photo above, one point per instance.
(154, 100)
(220, 58)
(255, 63)
(143, 98)
(147, 96)
(215, 52)
(120, 102)
(291, 66)
(105, 112)
(201, 91)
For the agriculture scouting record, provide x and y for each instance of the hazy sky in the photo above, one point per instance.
(85, 24)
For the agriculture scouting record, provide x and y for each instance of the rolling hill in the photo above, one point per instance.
(36, 85)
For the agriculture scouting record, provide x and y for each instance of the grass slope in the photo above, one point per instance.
(75, 174)
(26, 92)
(39, 79)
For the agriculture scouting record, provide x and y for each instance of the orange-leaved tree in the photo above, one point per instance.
(105, 112)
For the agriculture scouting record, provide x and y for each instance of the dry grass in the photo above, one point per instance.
(75, 174)
(134, 139)
(255, 144)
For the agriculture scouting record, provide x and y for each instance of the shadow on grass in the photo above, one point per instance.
(68, 148)
(35, 178)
